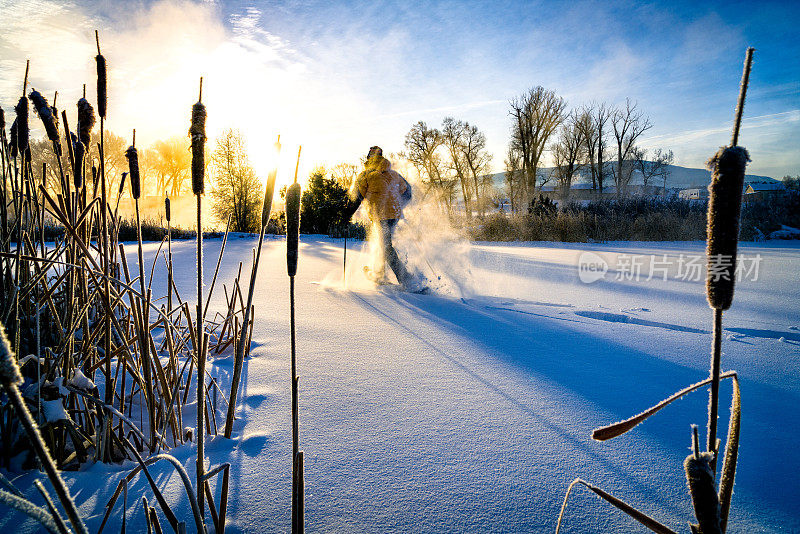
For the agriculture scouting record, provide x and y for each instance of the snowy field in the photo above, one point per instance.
(471, 409)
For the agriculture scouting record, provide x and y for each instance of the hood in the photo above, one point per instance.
(378, 164)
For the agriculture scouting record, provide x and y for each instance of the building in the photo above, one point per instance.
(693, 193)
(762, 190)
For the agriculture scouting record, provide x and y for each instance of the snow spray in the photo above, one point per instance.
(425, 238)
(435, 248)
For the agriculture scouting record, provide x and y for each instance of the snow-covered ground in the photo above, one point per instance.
(471, 409)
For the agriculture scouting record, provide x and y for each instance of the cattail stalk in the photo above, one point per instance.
(266, 209)
(169, 253)
(197, 131)
(144, 321)
(292, 242)
(298, 501)
(106, 256)
(724, 210)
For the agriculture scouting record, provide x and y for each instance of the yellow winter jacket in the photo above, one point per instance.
(383, 189)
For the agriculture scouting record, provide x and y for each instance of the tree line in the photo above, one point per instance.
(165, 163)
(598, 140)
(165, 167)
(450, 160)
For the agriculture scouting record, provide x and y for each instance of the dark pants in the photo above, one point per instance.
(385, 232)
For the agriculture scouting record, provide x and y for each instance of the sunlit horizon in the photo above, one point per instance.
(266, 74)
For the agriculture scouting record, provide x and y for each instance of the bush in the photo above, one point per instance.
(760, 217)
(154, 231)
(638, 219)
(325, 206)
(277, 223)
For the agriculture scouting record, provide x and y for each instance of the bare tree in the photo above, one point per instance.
(43, 157)
(657, 167)
(237, 192)
(453, 136)
(593, 120)
(344, 174)
(666, 159)
(115, 162)
(113, 158)
(628, 124)
(421, 145)
(568, 151)
(171, 162)
(478, 161)
(469, 160)
(536, 115)
(514, 177)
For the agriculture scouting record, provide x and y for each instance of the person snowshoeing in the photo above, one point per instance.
(386, 193)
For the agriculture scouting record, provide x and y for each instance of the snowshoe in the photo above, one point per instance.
(425, 290)
(417, 284)
(378, 278)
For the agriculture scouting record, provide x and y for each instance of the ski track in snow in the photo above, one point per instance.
(471, 409)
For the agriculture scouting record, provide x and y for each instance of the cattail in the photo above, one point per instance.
(86, 120)
(166, 208)
(101, 84)
(54, 112)
(266, 209)
(13, 143)
(2, 120)
(23, 131)
(292, 226)
(198, 135)
(122, 183)
(293, 220)
(133, 167)
(700, 478)
(269, 192)
(45, 113)
(79, 152)
(9, 370)
(724, 209)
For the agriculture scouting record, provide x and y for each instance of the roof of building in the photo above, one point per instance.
(756, 187)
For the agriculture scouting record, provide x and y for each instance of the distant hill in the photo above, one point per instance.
(679, 178)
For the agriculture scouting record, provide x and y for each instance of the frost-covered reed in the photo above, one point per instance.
(710, 491)
(95, 342)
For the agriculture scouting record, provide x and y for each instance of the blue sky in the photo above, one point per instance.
(341, 76)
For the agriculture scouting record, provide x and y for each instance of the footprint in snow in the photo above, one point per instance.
(255, 400)
(622, 318)
(254, 444)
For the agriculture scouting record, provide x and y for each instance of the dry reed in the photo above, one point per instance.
(74, 305)
(711, 495)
